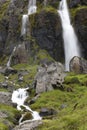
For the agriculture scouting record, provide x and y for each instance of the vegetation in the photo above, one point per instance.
(3, 8)
(71, 106)
(12, 116)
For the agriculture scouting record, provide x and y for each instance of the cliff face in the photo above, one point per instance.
(45, 27)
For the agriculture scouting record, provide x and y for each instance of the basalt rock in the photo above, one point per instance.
(80, 22)
(78, 65)
(47, 31)
(49, 77)
(76, 3)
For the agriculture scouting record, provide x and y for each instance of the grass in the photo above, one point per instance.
(74, 115)
(3, 8)
(12, 117)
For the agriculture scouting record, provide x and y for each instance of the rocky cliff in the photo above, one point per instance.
(59, 97)
(44, 27)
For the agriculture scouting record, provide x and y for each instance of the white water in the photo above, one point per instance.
(71, 47)
(9, 61)
(32, 7)
(19, 96)
(45, 2)
(24, 24)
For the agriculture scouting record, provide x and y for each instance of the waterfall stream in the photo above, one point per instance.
(24, 24)
(71, 47)
(32, 7)
(9, 60)
(25, 18)
(19, 96)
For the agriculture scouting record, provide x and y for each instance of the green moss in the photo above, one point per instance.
(1, 78)
(3, 8)
(73, 11)
(11, 119)
(71, 106)
(3, 126)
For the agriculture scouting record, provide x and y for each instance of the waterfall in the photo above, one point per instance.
(45, 2)
(32, 7)
(9, 60)
(24, 24)
(19, 96)
(71, 47)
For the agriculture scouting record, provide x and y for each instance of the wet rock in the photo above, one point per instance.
(78, 65)
(49, 77)
(26, 116)
(28, 125)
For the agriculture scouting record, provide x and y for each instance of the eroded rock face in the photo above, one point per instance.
(80, 22)
(78, 65)
(76, 3)
(47, 31)
(49, 77)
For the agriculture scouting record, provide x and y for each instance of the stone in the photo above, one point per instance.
(78, 65)
(9, 70)
(49, 77)
(28, 125)
(5, 98)
(47, 112)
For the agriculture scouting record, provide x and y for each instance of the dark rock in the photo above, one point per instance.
(8, 70)
(47, 31)
(78, 65)
(47, 112)
(76, 3)
(4, 84)
(20, 78)
(80, 22)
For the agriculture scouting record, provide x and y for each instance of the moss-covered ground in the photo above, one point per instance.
(71, 106)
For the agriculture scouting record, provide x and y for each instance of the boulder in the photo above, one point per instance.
(28, 125)
(78, 65)
(5, 98)
(47, 112)
(49, 77)
(8, 70)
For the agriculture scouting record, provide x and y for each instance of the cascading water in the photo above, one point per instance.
(31, 9)
(71, 47)
(9, 61)
(24, 24)
(45, 2)
(19, 96)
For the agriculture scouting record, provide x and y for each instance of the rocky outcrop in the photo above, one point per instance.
(80, 22)
(47, 31)
(28, 125)
(76, 3)
(78, 65)
(49, 77)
